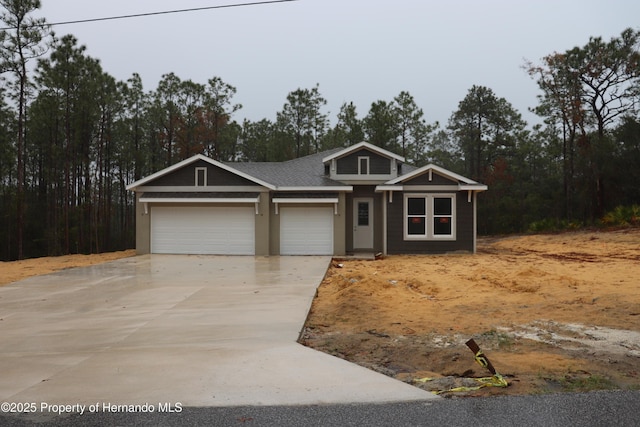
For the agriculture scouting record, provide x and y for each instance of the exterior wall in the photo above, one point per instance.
(340, 227)
(143, 229)
(274, 229)
(262, 225)
(186, 176)
(395, 228)
(378, 165)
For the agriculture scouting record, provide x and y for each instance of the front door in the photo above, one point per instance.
(363, 223)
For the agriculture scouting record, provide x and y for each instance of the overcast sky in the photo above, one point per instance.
(357, 50)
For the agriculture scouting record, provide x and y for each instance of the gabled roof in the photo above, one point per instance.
(359, 146)
(302, 173)
(308, 173)
(463, 182)
(194, 159)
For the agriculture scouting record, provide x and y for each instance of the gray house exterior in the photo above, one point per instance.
(357, 199)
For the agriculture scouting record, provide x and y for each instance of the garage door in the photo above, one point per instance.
(306, 231)
(203, 230)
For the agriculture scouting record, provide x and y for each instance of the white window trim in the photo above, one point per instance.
(205, 176)
(451, 236)
(429, 217)
(408, 236)
(360, 171)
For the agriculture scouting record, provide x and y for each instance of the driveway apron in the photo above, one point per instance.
(187, 329)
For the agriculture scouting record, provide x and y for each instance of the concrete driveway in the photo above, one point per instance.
(188, 330)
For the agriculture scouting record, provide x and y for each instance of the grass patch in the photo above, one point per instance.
(581, 381)
(497, 340)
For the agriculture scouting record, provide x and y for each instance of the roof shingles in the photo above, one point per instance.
(305, 172)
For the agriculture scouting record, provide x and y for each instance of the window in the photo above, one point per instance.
(201, 177)
(429, 216)
(363, 214)
(442, 216)
(416, 216)
(363, 165)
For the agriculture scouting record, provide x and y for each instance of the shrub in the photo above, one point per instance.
(622, 216)
(553, 225)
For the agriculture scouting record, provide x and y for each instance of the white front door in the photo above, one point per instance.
(363, 223)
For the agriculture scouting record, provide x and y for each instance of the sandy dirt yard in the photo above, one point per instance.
(551, 312)
(13, 271)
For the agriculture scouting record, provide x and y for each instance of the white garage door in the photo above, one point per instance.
(203, 230)
(306, 231)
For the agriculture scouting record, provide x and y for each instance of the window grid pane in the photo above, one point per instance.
(363, 214)
(442, 226)
(416, 226)
(416, 206)
(442, 206)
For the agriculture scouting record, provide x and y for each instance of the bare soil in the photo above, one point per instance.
(551, 312)
(12, 271)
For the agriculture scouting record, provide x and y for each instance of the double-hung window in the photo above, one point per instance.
(442, 216)
(429, 216)
(416, 224)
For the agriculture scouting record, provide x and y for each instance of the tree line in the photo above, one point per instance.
(72, 137)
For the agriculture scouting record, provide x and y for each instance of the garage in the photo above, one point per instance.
(214, 230)
(306, 230)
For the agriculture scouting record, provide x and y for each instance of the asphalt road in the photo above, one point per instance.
(612, 408)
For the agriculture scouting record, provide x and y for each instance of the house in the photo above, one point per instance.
(360, 198)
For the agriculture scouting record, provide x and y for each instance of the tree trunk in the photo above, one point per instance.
(20, 206)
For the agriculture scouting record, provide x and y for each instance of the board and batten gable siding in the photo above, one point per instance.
(396, 244)
(436, 179)
(186, 177)
(378, 165)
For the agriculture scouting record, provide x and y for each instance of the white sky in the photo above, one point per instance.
(357, 50)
